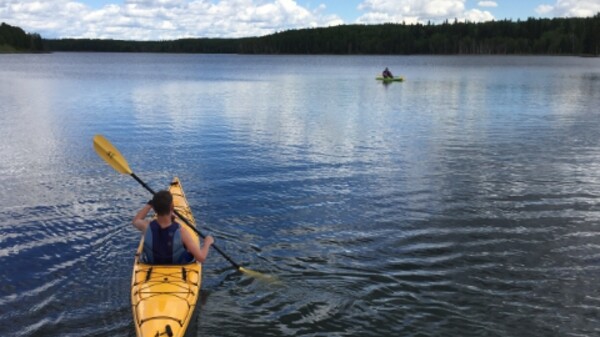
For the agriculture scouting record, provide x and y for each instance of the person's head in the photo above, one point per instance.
(161, 202)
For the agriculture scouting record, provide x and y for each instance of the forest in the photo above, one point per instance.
(14, 39)
(573, 36)
(558, 36)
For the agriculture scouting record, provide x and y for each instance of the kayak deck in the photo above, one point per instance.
(163, 297)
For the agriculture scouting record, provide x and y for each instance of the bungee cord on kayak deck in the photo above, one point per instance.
(181, 292)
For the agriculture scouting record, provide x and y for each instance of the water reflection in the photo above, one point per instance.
(32, 140)
(457, 202)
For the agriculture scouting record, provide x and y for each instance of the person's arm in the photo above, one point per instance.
(199, 254)
(139, 221)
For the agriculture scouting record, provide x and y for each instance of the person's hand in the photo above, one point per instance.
(209, 240)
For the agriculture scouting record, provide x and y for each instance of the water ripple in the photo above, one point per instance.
(463, 202)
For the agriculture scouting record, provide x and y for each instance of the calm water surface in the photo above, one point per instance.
(462, 202)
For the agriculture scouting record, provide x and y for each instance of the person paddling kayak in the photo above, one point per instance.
(387, 73)
(164, 241)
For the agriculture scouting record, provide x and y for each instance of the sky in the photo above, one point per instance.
(174, 19)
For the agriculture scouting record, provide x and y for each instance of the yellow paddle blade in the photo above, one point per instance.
(110, 154)
(260, 276)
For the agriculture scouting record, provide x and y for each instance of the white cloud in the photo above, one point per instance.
(544, 9)
(487, 4)
(476, 15)
(570, 8)
(172, 19)
(162, 19)
(413, 11)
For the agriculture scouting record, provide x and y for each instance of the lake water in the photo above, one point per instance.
(464, 201)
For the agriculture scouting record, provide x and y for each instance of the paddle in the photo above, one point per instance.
(115, 159)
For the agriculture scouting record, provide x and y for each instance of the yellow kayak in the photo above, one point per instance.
(163, 297)
(390, 79)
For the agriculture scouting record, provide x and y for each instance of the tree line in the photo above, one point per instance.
(14, 39)
(558, 36)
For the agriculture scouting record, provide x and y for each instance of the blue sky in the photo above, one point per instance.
(172, 19)
(348, 9)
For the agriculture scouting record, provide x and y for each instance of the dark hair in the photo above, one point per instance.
(161, 202)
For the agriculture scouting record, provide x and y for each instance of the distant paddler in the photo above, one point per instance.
(387, 73)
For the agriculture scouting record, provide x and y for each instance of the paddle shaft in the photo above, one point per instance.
(187, 222)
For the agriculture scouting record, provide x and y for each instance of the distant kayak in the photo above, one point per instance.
(390, 79)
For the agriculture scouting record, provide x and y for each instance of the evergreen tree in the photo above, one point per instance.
(15, 38)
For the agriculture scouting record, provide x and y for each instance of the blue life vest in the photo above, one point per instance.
(164, 246)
